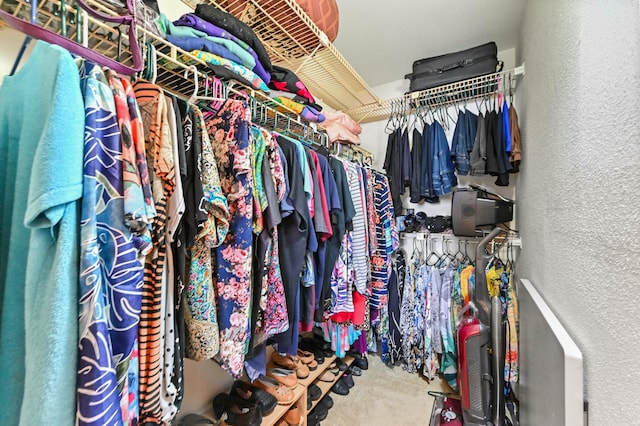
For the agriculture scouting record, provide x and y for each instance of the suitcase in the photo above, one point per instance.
(452, 67)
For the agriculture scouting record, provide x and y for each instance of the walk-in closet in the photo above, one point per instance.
(319, 212)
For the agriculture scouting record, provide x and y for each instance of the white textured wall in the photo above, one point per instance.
(578, 194)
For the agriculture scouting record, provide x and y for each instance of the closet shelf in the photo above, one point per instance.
(175, 67)
(295, 42)
(450, 94)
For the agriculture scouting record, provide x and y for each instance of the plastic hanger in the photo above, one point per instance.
(196, 86)
(154, 64)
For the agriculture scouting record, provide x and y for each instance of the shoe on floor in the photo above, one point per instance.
(266, 402)
(354, 370)
(347, 379)
(326, 402)
(360, 362)
(340, 388)
(317, 415)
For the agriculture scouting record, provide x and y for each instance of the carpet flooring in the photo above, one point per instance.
(384, 396)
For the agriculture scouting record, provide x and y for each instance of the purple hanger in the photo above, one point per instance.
(36, 31)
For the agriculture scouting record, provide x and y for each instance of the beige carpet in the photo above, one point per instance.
(384, 396)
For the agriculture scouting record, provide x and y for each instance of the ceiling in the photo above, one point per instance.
(382, 41)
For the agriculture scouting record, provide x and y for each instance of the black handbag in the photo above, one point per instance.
(452, 67)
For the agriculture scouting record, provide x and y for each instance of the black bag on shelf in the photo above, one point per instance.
(452, 67)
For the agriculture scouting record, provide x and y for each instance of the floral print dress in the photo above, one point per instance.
(201, 315)
(229, 134)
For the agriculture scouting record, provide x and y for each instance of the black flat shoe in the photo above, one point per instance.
(242, 413)
(354, 370)
(311, 346)
(342, 366)
(340, 388)
(348, 380)
(317, 415)
(314, 392)
(361, 362)
(326, 402)
(265, 401)
(236, 411)
(219, 405)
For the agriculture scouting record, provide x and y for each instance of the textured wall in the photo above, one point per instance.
(578, 196)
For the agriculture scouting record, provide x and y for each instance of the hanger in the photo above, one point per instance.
(154, 65)
(510, 90)
(196, 86)
(32, 29)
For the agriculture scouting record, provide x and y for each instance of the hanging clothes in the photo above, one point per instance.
(477, 160)
(395, 167)
(228, 130)
(322, 258)
(462, 142)
(417, 146)
(38, 265)
(292, 240)
(153, 109)
(444, 179)
(387, 241)
(341, 222)
(201, 320)
(110, 296)
(516, 144)
(412, 342)
(427, 191)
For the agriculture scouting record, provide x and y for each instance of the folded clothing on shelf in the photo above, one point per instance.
(287, 81)
(247, 74)
(168, 28)
(307, 112)
(237, 28)
(197, 43)
(193, 21)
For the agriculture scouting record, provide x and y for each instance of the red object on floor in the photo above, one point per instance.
(451, 414)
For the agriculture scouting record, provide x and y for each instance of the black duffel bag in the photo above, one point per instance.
(452, 67)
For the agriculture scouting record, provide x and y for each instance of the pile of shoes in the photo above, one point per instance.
(321, 410)
(317, 346)
(300, 365)
(245, 404)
